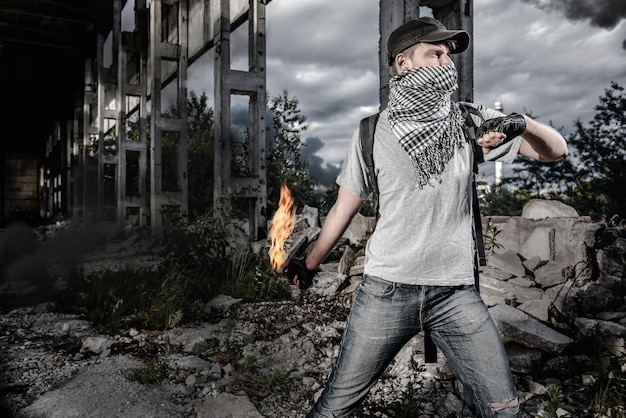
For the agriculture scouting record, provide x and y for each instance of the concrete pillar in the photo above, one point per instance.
(251, 83)
(90, 134)
(132, 90)
(392, 14)
(106, 118)
(454, 14)
(168, 48)
(458, 14)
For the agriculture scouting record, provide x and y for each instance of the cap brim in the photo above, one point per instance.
(460, 36)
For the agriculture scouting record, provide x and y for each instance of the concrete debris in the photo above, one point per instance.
(520, 327)
(554, 285)
(509, 262)
(541, 209)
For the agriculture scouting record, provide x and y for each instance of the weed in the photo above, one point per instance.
(608, 398)
(490, 237)
(553, 403)
(153, 371)
(252, 278)
(245, 364)
(412, 400)
(261, 385)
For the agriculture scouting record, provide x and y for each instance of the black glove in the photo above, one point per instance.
(512, 125)
(297, 267)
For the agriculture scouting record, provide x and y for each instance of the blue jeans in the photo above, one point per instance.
(386, 315)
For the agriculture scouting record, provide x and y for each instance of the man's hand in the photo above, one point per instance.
(298, 273)
(495, 132)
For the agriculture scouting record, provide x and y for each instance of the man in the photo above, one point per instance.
(418, 272)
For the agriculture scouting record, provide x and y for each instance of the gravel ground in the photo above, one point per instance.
(272, 358)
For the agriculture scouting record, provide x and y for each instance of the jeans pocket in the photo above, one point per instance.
(375, 286)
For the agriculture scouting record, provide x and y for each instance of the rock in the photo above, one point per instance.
(612, 266)
(595, 298)
(524, 282)
(517, 326)
(347, 260)
(566, 366)
(508, 261)
(540, 243)
(97, 345)
(359, 230)
(223, 302)
(537, 388)
(541, 209)
(493, 293)
(327, 283)
(523, 359)
(243, 347)
(537, 308)
(550, 274)
(595, 327)
(532, 263)
(311, 215)
(100, 391)
(189, 363)
(226, 405)
(358, 268)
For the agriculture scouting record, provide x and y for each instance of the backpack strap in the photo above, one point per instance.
(367, 128)
(469, 127)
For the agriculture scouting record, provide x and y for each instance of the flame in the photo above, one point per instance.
(282, 225)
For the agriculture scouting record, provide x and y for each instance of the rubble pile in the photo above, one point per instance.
(554, 284)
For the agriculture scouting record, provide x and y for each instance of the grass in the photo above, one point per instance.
(153, 372)
(201, 260)
(609, 388)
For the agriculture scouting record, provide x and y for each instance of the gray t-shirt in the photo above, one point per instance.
(423, 236)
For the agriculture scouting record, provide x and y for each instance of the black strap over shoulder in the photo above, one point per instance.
(367, 128)
(470, 128)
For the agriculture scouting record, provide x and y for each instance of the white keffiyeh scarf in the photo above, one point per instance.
(424, 119)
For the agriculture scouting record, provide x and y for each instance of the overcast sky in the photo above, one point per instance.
(548, 60)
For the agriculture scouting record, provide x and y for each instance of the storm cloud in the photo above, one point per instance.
(604, 14)
(321, 172)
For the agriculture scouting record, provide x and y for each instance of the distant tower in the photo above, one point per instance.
(499, 168)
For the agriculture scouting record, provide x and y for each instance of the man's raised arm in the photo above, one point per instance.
(542, 142)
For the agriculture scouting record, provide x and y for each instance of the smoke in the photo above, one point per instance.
(604, 14)
(23, 276)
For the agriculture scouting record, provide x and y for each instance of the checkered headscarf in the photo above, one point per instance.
(424, 119)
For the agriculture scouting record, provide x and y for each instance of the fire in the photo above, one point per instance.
(282, 225)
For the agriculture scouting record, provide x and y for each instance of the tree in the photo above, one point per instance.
(601, 157)
(284, 154)
(592, 177)
(546, 179)
(504, 202)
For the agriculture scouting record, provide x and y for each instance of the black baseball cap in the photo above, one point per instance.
(425, 29)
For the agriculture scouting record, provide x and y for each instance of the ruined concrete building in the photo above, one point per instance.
(72, 75)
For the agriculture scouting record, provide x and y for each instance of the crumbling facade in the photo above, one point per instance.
(122, 155)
